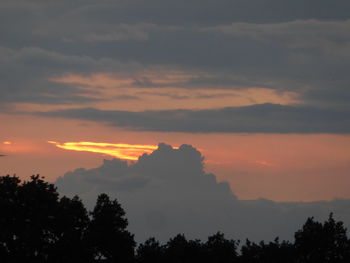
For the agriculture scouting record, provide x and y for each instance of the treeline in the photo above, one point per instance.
(36, 225)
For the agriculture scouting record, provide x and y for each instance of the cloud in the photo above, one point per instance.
(164, 94)
(298, 46)
(263, 118)
(26, 75)
(188, 12)
(126, 97)
(123, 32)
(121, 151)
(168, 192)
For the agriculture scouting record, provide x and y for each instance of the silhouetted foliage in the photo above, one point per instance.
(327, 242)
(150, 251)
(179, 249)
(272, 252)
(107, 235)
(36, 225)
(219, 249)
(72, 223)
(28, 223)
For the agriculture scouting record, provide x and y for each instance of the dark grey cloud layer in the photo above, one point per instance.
(298, 46)
(264, 118)
(26, 73)
(182, 11)
(168, 192)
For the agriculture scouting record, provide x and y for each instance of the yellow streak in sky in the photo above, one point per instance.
(118, 150)
(7, 143)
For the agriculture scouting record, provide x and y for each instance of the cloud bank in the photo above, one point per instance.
(168, 192)
(263, 118)
(300, 46)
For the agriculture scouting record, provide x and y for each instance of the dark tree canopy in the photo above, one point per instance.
(107, 234)
(271, 252)
(28, 224)
(327, 242)
(179, 249)
(37, 225)
(219, 249)
(150, 251)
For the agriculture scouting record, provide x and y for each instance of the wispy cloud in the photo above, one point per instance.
(118, 150)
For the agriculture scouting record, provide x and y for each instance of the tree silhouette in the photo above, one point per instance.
(272, 252)
(150, 251)
(9, 219)
(72, 222)
(317, 242)
(218, 249)
(36, 225)
(28, 221)
(180, 250)
(107, 236)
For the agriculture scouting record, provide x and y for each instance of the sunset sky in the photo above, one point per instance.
(260, 88)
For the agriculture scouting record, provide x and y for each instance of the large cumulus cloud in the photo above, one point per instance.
(168, 192)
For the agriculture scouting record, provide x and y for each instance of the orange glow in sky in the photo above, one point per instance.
(119, 150)
(264, 163)
(165, 91)
(7, 143)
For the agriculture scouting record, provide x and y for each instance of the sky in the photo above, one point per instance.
(259, 88)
